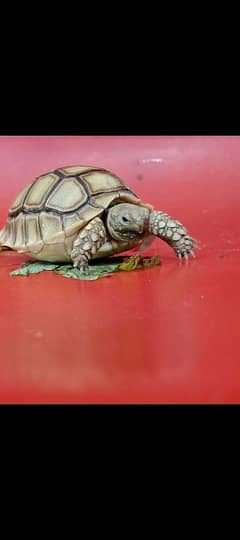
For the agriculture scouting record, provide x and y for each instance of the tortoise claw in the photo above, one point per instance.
(184, 248)
(84, 270)
(81, 265)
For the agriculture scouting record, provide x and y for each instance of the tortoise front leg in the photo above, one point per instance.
(88, 241)
(172, 232)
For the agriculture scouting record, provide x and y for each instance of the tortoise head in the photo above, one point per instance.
(127, 221)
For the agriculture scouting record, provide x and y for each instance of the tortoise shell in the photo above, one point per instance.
(46, 216)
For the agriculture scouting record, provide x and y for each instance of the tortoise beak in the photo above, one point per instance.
(130, 235)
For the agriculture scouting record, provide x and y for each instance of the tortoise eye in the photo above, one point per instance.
(124, 219)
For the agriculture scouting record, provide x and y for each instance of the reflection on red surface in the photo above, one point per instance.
(169, 334)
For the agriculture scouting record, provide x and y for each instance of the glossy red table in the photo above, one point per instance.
(164, 335)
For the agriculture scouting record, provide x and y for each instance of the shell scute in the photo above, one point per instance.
(76, 170)
(68, 195)
(18, 202)
(38, 191)
(20, 236)
(51, 227)
(32, 228)
(102, 181)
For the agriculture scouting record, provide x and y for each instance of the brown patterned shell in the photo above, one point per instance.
(46, 216)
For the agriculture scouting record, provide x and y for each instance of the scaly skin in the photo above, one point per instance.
(172, 232)
(94, 236)
(88, 241)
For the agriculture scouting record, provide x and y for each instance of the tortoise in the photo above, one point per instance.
(80, 213)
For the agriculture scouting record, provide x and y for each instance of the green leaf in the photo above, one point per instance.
(33, 268)
(149, 262)
(130, 263)
(96, 270)
(136, 263)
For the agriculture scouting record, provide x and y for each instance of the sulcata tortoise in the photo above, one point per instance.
(80, 213)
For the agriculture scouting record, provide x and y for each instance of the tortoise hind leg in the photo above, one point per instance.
(4, 237)
(88, 241)
(5, 248)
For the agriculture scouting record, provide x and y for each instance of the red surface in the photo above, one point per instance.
(165, 335)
